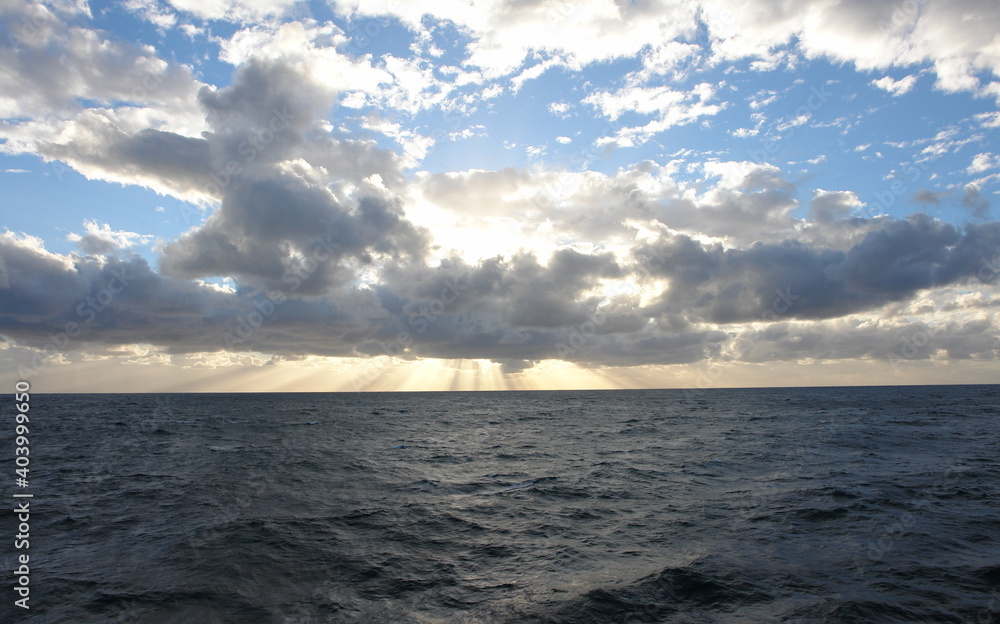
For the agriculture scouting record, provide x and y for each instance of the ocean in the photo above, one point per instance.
(736, 506)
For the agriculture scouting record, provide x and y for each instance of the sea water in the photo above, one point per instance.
(762, 505)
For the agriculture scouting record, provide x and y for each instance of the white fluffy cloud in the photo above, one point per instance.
(984, 162)
(55, 65)
(896, 87)
(955, 36)
(502, 34)
(101, 239)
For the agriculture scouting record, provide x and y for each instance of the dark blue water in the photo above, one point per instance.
(771, 505)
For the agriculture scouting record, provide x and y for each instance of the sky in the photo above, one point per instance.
(283, 195)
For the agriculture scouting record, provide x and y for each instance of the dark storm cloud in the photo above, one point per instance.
(298, 210)
(537, 296)
(852, 339)
(278, 226)
(111, 301)
(518, 309)
(520, 291)
(891, 263)
(498, 309)
(176, 162)
(281, 232)
(35, 285)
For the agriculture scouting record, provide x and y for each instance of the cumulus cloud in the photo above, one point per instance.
(271, 176)
(954, 36)
(983, 162)
(153, 12)
(896, 87)
(55, 64)
(829, 207)
(501, 35)
(518, 308)
(891, 263)
(101, 239)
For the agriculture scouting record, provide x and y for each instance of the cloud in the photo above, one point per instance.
(152, 12)
(55, 65)
(559, 108)
(100, 239)
(234, 10)
(891, 263)
(988, 120)
(763, 98)
(670, 107)
(925, 196)
(166, 162)
(271, 175)
(861, 338)
(502, 35)
(896, 87)
(116, 301)
(518, 308)
(131, 95)
(974, 201)
(829, 207)
(983, 162)
(953, 36)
